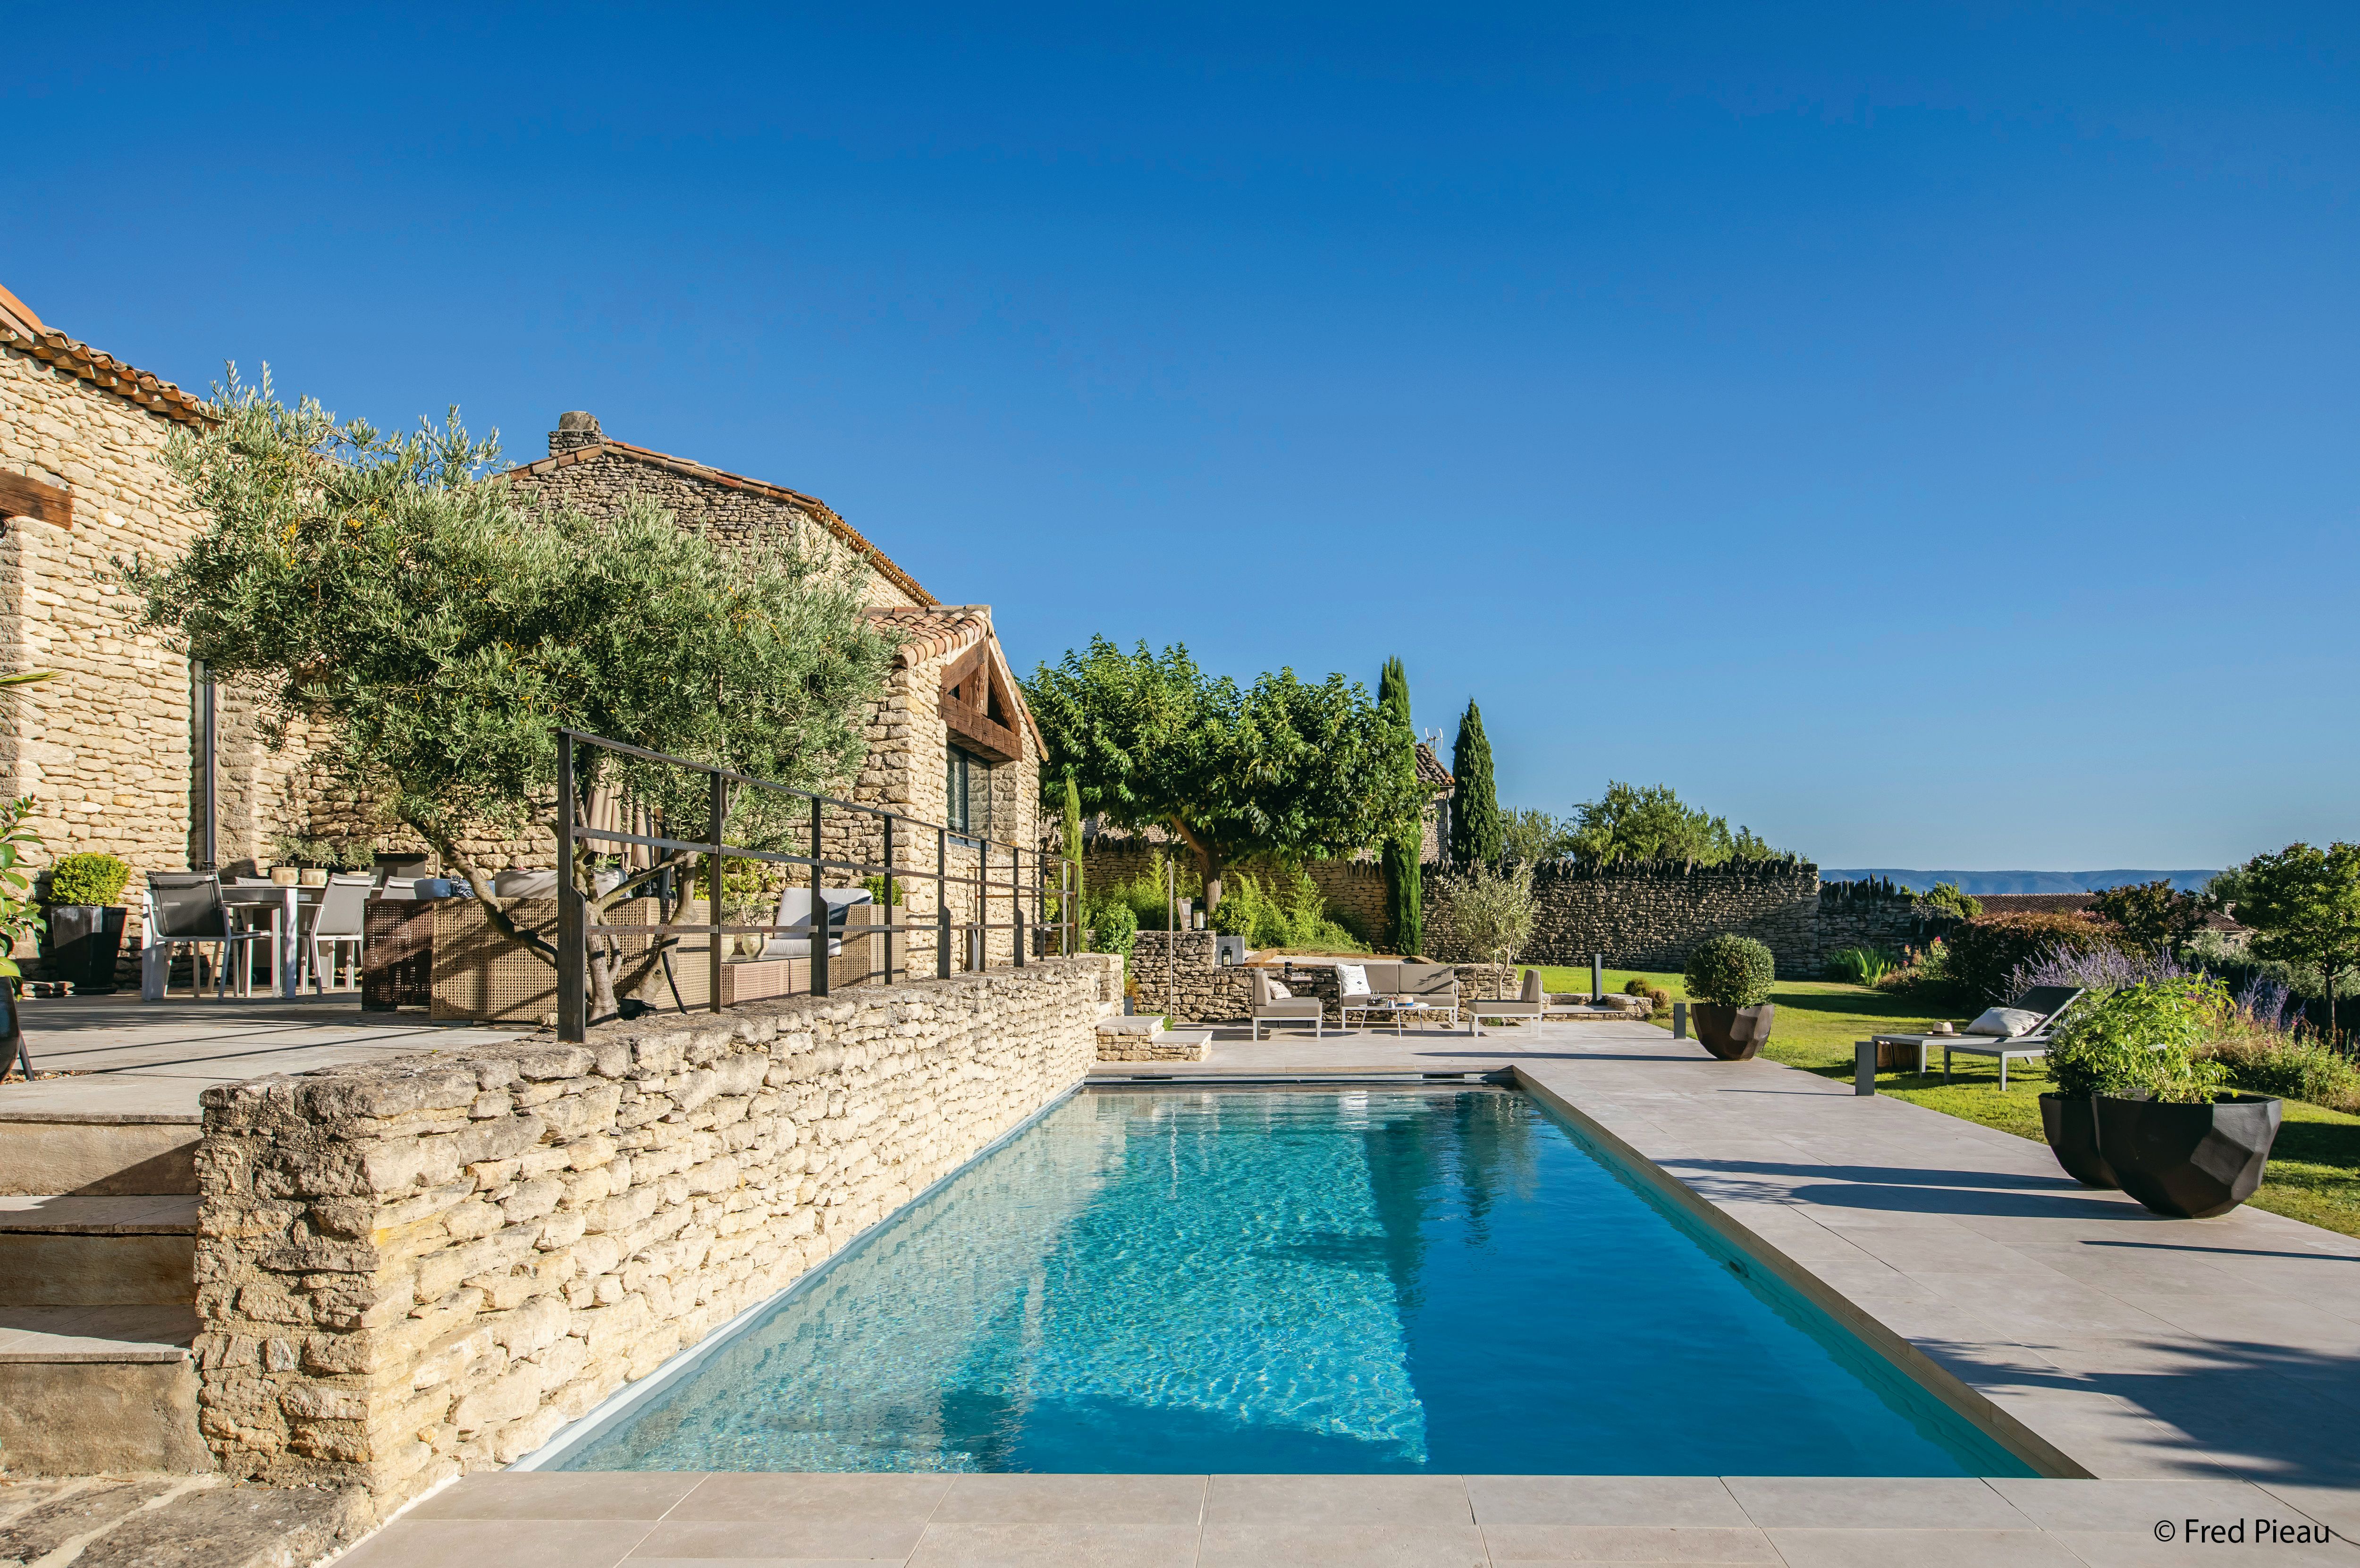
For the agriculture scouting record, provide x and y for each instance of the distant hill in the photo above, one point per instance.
(1982, 882)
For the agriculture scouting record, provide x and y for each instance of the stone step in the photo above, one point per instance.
(77, 1250)
(1162, 1045)
(47, 1150)
(87, 1391)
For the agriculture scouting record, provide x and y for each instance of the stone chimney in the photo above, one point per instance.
(573, 431)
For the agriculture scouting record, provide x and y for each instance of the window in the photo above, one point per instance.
(966, 794)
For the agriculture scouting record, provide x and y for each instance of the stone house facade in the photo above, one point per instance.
(950, 742)
(113, 750)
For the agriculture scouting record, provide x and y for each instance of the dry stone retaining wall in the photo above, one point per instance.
(410, 1269)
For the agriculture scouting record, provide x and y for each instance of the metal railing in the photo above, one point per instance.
(1050, 874)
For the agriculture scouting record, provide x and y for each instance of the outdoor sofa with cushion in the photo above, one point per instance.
(2017, 1031)
(1383, 985)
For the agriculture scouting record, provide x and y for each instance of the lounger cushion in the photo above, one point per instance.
(1277, 991)
(1352, 979)
(2007, 1022)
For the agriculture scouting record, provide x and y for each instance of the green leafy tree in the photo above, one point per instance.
(1488, 912)
(2303, 904)
(1073, 847)
(2152, 911)
(434, 629)
(1404, 844)
(1281, 767)
(1531, 837)
(1632, 823)
(1475, 825)
(20, 913)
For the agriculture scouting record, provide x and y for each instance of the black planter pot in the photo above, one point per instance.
(1732, 1034)
(83, 941)
(2070, 1122)
(2189, 1161)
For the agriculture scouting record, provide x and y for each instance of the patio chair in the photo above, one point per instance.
(1268, 1006)
(2049, 1002)
(190, 914)
(795, 915)
(337, 920)
(1530, 1003)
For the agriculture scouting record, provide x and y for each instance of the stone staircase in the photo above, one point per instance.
(98, 1234)
(1144, 1038)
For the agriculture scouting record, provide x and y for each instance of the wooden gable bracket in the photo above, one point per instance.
(977, 706)
(23, 496)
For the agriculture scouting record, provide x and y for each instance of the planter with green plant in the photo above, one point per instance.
(85, 921)
(2136, 1108)
(1729, 979)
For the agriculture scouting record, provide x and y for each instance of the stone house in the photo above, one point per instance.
(951, 740)
(114, 751)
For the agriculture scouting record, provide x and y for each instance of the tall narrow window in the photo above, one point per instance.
(967, 795)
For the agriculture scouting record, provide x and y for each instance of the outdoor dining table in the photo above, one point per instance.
(285, 905)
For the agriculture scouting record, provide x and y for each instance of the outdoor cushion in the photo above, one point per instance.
(1277, 991)
(1352, 979)
(2008, 1022)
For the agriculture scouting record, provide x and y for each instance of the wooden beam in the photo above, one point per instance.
(993, 741)
(23, 496)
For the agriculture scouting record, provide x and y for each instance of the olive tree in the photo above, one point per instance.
(435, 630)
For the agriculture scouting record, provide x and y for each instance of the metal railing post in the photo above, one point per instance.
(1016, 897)
(573, 939)
(889, 898)
(823, 925)
(941, 904)
(720, 812)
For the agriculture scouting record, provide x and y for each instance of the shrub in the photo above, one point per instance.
(1862, 966)
(1488, 917)
(1985, 952)
(1730, 970)
(87, 879)
(1635, 986)
(2142, 1036)
(2151, 912)
(1265, 918)
(1944, 898)
(2099, 969)
(2292, 1068)
(1115, 927)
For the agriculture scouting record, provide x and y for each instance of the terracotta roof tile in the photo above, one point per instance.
(1430, 769)
(108, 374)
(607, 445)
(920, 634)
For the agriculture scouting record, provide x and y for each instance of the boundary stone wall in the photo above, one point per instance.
(413, 1268)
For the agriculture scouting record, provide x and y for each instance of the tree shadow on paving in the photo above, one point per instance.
(1907, 1189)
(2273, 1412)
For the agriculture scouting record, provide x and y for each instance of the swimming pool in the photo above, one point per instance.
(1298, 1280)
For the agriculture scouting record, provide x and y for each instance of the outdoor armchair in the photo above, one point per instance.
(188, 912)
(1530, 1003)
(335, 921)
(1269, 1007)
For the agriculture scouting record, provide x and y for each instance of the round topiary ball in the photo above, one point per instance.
(1730, 970)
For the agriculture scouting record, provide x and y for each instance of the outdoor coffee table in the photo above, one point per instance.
(1399, 1012)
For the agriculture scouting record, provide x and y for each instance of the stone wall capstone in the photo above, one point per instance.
(413, 1268)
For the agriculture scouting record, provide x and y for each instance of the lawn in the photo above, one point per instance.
(2314, 1173)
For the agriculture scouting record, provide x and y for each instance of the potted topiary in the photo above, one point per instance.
(1729, 978)
(85, 920)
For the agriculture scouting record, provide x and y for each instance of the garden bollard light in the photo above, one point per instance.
(1864, 1066)
(1598, 977)
(1680, 1020)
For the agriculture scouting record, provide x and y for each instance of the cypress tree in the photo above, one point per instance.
(1475, 833)
(1404, 895)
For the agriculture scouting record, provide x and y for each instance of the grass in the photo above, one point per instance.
(2314, 1173)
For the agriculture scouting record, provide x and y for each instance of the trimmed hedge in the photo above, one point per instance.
(1986, 950)
(87, 879)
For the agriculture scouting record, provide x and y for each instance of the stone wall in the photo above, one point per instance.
(106, 749)
(413, 1268)
(1649, 916)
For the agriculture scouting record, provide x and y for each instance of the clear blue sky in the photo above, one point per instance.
(1927, 436)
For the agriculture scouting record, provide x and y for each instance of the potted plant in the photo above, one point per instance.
(1729, 979)
(19, 918)
(85, 921)
(2136, 1109)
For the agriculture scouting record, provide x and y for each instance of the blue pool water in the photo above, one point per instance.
(1274, 1281)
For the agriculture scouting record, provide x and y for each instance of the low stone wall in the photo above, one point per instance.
(412, 1269)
